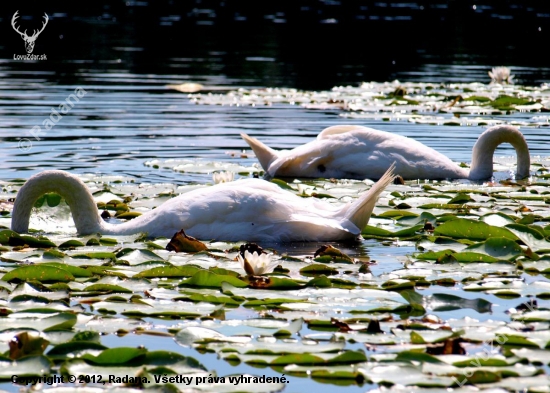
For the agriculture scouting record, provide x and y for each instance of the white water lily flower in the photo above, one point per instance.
(223, 177)
(256, 265)
(501, 75)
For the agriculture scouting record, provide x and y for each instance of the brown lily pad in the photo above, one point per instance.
(27, 343)
(333, 252)
(181, 242)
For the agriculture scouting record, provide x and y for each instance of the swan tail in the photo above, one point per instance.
(71, 188)
(265, 154)
(359, 211)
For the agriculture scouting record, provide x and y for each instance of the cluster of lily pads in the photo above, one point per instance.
(466, 104)
(465, 307)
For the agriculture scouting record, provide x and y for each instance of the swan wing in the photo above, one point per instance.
(359, 152)
(252, 210)
(342, 129)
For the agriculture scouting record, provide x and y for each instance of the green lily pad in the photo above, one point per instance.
(317, 269)
(169, 271)
(205, 278)
(498, 247)
(38, 273)
(25, 367)
(470, 229)
(531, 236)
(116, 356)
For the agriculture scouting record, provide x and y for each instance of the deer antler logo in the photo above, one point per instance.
(29, 41)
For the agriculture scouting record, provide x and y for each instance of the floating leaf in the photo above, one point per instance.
(39, 320)
(116, 356)
(169, 271)
(460, 198)
(197, 297)
(181, 242)
(531, 236)
(38, 273)
(96, 255)
(74, 270)
(398, 214)
(374, 232)
(127, 215)
(31, 241)
(62, 351)
(413, 356)
(498, 247)
(281, 183)
(109, 288)
(417, 220)
(27, 366)
(470, 229)
(205, 278)
(317, 269)
(27, 344)
(329, 251)
(447, 302)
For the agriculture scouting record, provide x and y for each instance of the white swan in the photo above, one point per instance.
(356, 152)
(250, 209)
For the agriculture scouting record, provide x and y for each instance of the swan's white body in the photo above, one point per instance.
(356, 152)
(251, 209)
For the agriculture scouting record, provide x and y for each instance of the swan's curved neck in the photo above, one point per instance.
(79, 198)
(484, 149)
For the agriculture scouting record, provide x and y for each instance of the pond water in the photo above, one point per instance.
(125, 120)
(128, 123)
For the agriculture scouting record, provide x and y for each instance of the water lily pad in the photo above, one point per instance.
(531, 236)
(39, 273)
(205, 278)
(28, 366)
(194, 334)
(498, 247)
(27, 344)
(39, 321)
(169, 271)
(115, 356)
(134, 257)
(317, 269)
(469, 229)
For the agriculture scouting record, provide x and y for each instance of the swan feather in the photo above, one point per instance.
(349, 151)
(248, 209)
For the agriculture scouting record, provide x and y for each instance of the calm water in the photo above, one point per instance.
(128, 116)
(124, 120)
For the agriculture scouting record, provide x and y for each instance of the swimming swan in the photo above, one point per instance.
(250, 209)
(356, 152)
